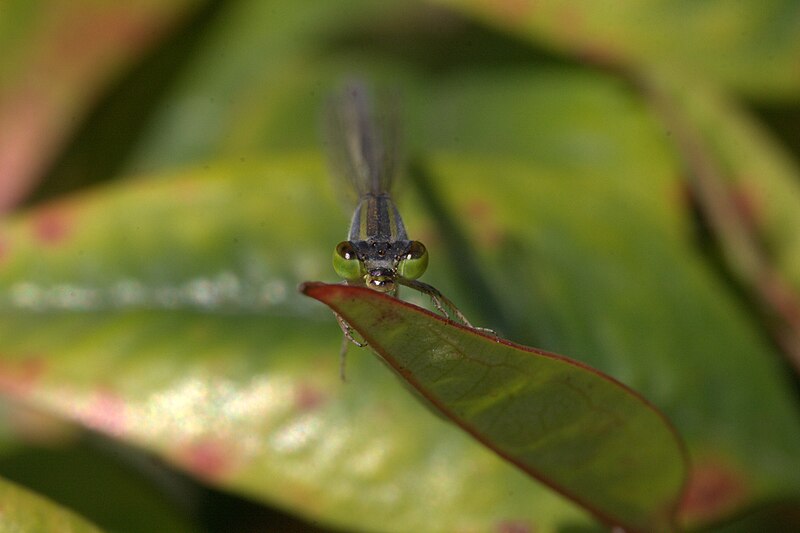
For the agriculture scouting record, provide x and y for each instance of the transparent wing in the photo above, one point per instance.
(362, 137)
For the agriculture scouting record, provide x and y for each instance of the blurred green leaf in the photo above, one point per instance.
(22, 510)
(612, 278)
(554, 208)
(193, 343)
(761, 176)
(275, 46)
(574, 429)
(57, 58)
(747, 199)
(751, 46)
(115, 496)
(117, 489)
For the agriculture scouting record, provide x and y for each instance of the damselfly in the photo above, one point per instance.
(363, 151)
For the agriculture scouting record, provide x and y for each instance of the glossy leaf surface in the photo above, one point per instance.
(581, 432)
(197, 347)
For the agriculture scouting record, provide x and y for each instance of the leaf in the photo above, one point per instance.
(173, 325)
(22, 510)
(748, 198)
(161, 312)
(112, 494)
(271, 44)
(577, 430)
(750, 46)
(584, 239)
(58, 58)
(596, 268)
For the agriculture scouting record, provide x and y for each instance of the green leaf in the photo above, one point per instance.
(174, 325)
(22, 510)
(274, 45)
(568, 198)
(750, 45)
(577, 430)
(761, 180)
(114, 495)
(58, 57)
(593, 267)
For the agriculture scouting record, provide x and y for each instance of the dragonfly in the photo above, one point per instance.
(363, 153)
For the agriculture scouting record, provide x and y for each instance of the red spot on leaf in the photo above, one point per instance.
(209, 459)
(514, 526)
(51, 226)
(682, 192)
(599, 53)
(743, 201)
(308, 397)
(747, 205)
(570, 24)
(22, 154)
(17, 378)
(514, 11)
(714, 489)
(779, 295)
(479, 209)
(106, 413)
(488, 232)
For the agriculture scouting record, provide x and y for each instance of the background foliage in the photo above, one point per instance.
(615, 183)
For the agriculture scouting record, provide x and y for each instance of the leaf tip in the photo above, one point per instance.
(320, 290)
(307, 286)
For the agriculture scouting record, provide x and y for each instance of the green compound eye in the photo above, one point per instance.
(414, 262)
(346, 263)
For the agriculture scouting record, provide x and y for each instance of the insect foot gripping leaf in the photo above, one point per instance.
(576, 430)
